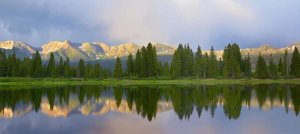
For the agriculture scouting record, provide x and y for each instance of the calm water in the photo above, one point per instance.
(231, 109)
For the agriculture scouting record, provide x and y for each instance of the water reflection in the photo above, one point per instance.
(147, 101)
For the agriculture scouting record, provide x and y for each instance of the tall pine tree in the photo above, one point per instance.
(60, 68)
(97, 70)
(285, 67)
(204, 65)
(166, 69)
(295, 65)
(182, 64)
(67, 68)
(232, 61)
(51, 68)
(118, 71)
(272, 69)
(138, 63)
(14, 61)
(247, 66)
(25, 67)
(261, 70)
(37, 67)
(3, 64)
(176, 62)
(144, 62)
(213, 63)
(130, 65)
(197, 62)
(151, 63)
(280, 66)
(81, 68)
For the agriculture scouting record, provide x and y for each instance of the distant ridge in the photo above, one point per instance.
(75, 51)
(99, 50)
(266, 50)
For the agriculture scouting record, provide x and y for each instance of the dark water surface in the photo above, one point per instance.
(173, 109)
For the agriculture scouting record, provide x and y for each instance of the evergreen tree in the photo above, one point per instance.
(130, 65)
(220, 67)
(97, 70)
(280, 66)
(37, 67)
(285, 67)
(197, 62)
(182, 64)
(151, 64)
(138, 63)
(232, 61)
(204, 65)
(9, 66)
(44, 70)
(118, 71)
(295, 65)
(81, 68)
(3, 64)
(157, 67)
(159, 70)
(14, 65)
(166, 69)
(198, 54)
(60, 68)
(247, 66)
(105, 73)
(25, 67)
(144, 62)
(213, 64)
(51, 68)
(261, 70)
(176, 62)
(88, 71)
(188, 61)
(67, 68)
(237, 54)
(272, 69)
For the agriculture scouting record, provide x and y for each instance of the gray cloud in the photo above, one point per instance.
(216, 22)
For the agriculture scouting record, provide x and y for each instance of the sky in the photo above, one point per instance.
(249, 23)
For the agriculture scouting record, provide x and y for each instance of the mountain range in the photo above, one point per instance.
(75, 51)
(99, 50)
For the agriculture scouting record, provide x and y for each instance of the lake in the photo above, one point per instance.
(150, 109)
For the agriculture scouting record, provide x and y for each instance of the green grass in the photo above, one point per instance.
(76, 81)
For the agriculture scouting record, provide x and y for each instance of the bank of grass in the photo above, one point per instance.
(133, 81)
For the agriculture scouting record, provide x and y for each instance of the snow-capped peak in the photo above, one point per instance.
(55, 45)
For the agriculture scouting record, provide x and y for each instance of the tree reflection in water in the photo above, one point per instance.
(147, 101)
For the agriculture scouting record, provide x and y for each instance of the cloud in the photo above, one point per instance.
(171, 20)
(215, 22)
(133, 20)
(235, 9)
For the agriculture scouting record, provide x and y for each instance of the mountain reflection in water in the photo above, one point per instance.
(147, 101)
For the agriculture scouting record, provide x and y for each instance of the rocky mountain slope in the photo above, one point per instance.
(265, 50)
(76, 51)
(21, 49)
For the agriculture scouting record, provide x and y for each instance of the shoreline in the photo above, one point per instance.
(77, 81)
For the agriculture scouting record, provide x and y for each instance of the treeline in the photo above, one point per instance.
(145, 64)
(201, 65)
(12, 66)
